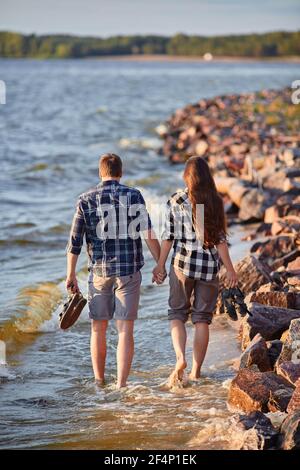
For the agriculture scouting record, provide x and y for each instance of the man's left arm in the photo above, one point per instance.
(147, 230)
(74, 248)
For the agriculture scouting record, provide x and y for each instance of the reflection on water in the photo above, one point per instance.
(59, 116)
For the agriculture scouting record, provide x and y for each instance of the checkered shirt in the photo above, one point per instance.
(189, 255)
(113, 205)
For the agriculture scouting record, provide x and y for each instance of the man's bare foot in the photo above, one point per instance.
(121, 385)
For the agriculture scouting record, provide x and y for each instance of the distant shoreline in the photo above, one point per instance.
(186, 58)
(166, 58)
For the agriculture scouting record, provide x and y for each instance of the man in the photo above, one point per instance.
(111, 217)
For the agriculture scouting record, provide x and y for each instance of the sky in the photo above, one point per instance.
(165, 17)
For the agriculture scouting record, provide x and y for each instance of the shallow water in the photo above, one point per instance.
(59, 116)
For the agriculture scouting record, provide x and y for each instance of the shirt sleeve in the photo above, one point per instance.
(77, 231)
(169, 228)
(144, 217)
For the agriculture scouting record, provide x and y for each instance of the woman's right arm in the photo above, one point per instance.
(231, 275)
(159, 272)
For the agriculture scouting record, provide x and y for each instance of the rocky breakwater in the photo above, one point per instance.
(252, 145)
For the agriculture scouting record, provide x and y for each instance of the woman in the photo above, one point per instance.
(196, 226)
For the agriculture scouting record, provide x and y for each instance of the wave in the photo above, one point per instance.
(136, 143)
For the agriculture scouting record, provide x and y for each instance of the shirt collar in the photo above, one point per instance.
(108, 183)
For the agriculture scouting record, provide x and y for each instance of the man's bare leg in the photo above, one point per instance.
(201, 338)
(178, 333)
(125, 350)
(98, 348)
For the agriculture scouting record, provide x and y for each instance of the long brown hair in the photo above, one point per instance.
(202, 190)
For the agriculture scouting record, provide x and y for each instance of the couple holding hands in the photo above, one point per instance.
(112, 217)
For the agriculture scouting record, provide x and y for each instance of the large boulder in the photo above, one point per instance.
(291, 346)
(274, 247)
(294, 403)
(251, 390)
(252, 432)
(274, 298)
(290, 432)
(253, 205)
(269, 321)
(289, 370)
(252, 274)
(256, 353)
(274, 350)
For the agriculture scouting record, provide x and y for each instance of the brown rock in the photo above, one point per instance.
(274, 350)
(250, 390)
(274, 247)
(289, 370)
(286, 260)
(279, 399)
(294, 404)
(269, 321)
(290, 432)
(253, 205)
(256, 353)
(291, 346)
(294, 281)
(253, 431)
(294, 266)
(284, 336)
(252, 274)
(275, 298)
(201, 148)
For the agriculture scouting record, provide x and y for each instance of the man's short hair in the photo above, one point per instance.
(110, 164)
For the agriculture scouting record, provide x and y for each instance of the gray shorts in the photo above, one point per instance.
(188, 295)
(116, 297)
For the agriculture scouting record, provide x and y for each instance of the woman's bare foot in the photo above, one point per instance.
(177, 374)
(100, 382)
(195, 374)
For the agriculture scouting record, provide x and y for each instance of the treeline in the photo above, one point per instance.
(276, 44)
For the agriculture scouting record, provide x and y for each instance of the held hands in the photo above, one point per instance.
(231, 278)
(72, 284)
(159, 274)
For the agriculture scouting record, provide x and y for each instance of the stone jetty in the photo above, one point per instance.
(252, 144)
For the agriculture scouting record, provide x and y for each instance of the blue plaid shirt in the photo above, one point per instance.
(107, 217)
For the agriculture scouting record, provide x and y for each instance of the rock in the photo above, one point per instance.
(253, 205)
(284, 336)
(271, 214)
(275, 247)
(279, 399)
(294, 404)
(287, 260)
(290, 432)
(252, 274)
(201, 148)
(274, 350)
(256, 353)
(289, 370)
(252, 432)
(251, 390)
(269, 321)
(291, 346)
(274, 298)
(288, 224)
(294, 281)
(294, 265)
